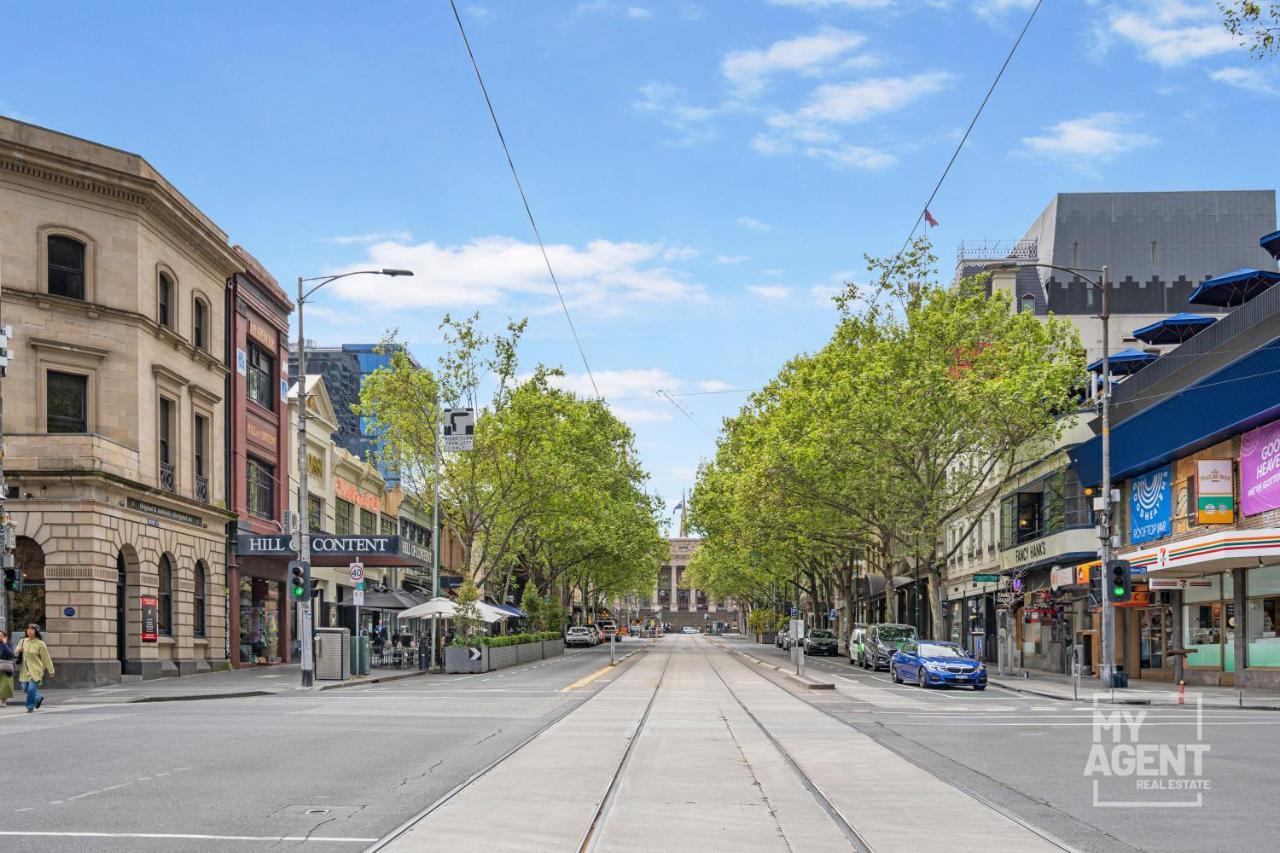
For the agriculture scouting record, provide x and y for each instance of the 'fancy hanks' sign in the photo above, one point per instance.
(1033, 551)
(249, 545)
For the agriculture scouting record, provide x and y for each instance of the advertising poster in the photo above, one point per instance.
(1216, 491)
(150, 627)
(1260, 469)
(1151, 505)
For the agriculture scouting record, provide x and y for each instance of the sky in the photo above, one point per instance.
(706, 174)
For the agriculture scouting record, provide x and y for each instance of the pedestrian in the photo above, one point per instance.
(34, 664)
(8, 671)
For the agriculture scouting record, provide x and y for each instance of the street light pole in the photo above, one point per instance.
(304, 509)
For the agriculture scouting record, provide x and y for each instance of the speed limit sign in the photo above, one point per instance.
(357, 572)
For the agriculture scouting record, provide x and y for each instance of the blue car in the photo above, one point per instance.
(928, 663)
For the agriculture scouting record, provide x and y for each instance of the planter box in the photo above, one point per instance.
(462, 659)
(768, 638)
(551, 648)
(528, 652)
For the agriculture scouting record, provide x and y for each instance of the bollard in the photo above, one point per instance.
(1182, 692)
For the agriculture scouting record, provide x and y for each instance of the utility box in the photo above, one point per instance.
(333, 654)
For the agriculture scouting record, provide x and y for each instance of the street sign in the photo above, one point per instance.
(795, 611)
(459, 430)
(359, 584)
(357, 572)
(357, 598)
(986, 578)
(473, 653)
(833, 615)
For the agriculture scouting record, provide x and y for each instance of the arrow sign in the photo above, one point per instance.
(473, 653)
(459, 430)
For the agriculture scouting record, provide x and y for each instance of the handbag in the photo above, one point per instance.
(6, 667)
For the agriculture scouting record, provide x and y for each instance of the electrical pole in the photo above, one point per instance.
(1108, 666)
(304, 509)
(435, 525)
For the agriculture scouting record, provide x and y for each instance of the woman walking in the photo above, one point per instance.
(35, 665)
(8, 671)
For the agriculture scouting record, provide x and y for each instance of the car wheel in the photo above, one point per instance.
(978, 687)
(893, 675)
(921, 679)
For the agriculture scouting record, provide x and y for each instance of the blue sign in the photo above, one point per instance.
(68, 611)
(1151, 505)
(795, 613)
(833, 615)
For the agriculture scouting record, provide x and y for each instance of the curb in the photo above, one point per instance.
(803, 681)
(1134, 700)
(196, 697)
(356, 682)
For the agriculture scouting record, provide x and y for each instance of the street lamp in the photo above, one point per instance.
(304, 509)
(1108, 666)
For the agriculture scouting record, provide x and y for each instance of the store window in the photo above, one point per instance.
(259, 621)
(261, 385)
(261, 479)
(164, 604)
(1209, 623)
(1262, 624)
(342, 517)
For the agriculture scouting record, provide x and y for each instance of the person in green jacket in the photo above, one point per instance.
(36, 664)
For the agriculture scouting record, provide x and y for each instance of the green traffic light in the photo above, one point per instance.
(1119, 590)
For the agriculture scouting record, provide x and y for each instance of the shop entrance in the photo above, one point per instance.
(1155, 637)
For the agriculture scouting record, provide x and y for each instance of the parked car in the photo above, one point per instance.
(579, 635)
(689, 629)
(607, 628)
(820, 641)
(856, 639)
(882, 641)
(930, 663)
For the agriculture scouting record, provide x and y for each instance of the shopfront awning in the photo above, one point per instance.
(514, 611)
(329, 550)
(1271, 243)
(1234, 288)
(1216, 552)
(1124, 362)
(1175, 329)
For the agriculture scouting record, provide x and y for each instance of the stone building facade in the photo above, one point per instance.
(113, 283)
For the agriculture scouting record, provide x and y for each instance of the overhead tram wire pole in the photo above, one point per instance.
(1108, 665)
(304, 513)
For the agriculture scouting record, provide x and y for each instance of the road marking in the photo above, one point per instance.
(586, 679)
(177, 836)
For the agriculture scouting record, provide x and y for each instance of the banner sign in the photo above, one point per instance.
(252, 544)
(150, 626)
(1151, 505)
(1260, 469)
(1216, 491)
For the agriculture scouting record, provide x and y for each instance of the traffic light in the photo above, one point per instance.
(297, 580)
(13, 580)
(1119, 581)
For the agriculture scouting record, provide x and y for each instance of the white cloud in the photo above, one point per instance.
(993, 9)
(500, 270)
(822, 294)
(1096, 138)
(712, 386)
(636, 389)
(1170, 32)
(752, 224)
(372, 237)
(639, 12)
(855, 156)
(732, 259)
(748, 70)
(848, 103)
(820, 5)
(670, 105)
(1250, 79)
(770, 291)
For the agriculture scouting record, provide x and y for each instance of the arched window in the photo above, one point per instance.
(164, 309)
(164, 606)
(200, 324)
(1028, 304)
(199, 600)
(66, 267)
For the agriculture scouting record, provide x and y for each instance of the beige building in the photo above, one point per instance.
(676, 603)
(114, 285)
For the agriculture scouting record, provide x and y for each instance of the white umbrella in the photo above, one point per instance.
(448, 608)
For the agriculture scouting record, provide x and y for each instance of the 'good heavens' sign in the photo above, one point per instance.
(1151, 505)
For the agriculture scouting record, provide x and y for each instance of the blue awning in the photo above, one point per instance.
(507, 608)
(1234, 288)
(1175, 329)
(1271, 243)
(1237, 398)
(1124, 362)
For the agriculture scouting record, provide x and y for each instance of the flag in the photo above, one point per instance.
(678, 507)
(928, 217)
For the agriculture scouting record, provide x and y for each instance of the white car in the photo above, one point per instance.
(689, 629)
(579, 635)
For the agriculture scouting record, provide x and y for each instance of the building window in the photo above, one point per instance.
(342, 517)
(368, 522)
(261, 479)
(199, 601)
(67, 402)
(388, 526)
(200, 325)
(202, 475)
(164, 603)
(164, 311)
(66, 267)
(168, 480)
(315, 512)
(261, 377)
(1028, 304)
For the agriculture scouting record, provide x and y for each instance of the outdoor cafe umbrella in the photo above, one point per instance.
(447, 608)
(1125, 362)
(1175, 329)
(1271, 243)
(1234, 288)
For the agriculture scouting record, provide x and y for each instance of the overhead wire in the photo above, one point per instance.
(497, 126)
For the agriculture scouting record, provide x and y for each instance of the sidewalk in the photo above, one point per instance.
(231, 684)
(1053, 685)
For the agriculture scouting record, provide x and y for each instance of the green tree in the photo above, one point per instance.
(1256, 24)
(467, 619)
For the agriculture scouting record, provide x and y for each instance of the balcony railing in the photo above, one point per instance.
(167, 478)
(202, 489)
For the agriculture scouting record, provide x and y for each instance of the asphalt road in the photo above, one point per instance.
(1028, 756)
(342, 767)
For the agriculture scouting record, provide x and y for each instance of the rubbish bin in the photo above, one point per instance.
(1120, 678)
(361, 651)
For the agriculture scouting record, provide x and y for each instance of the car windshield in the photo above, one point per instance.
(896, 636)
(820, 635)
(941, 650)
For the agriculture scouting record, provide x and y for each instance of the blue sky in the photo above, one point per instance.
(706, 172)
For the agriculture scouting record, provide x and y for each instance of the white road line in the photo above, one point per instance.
(176, 836)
